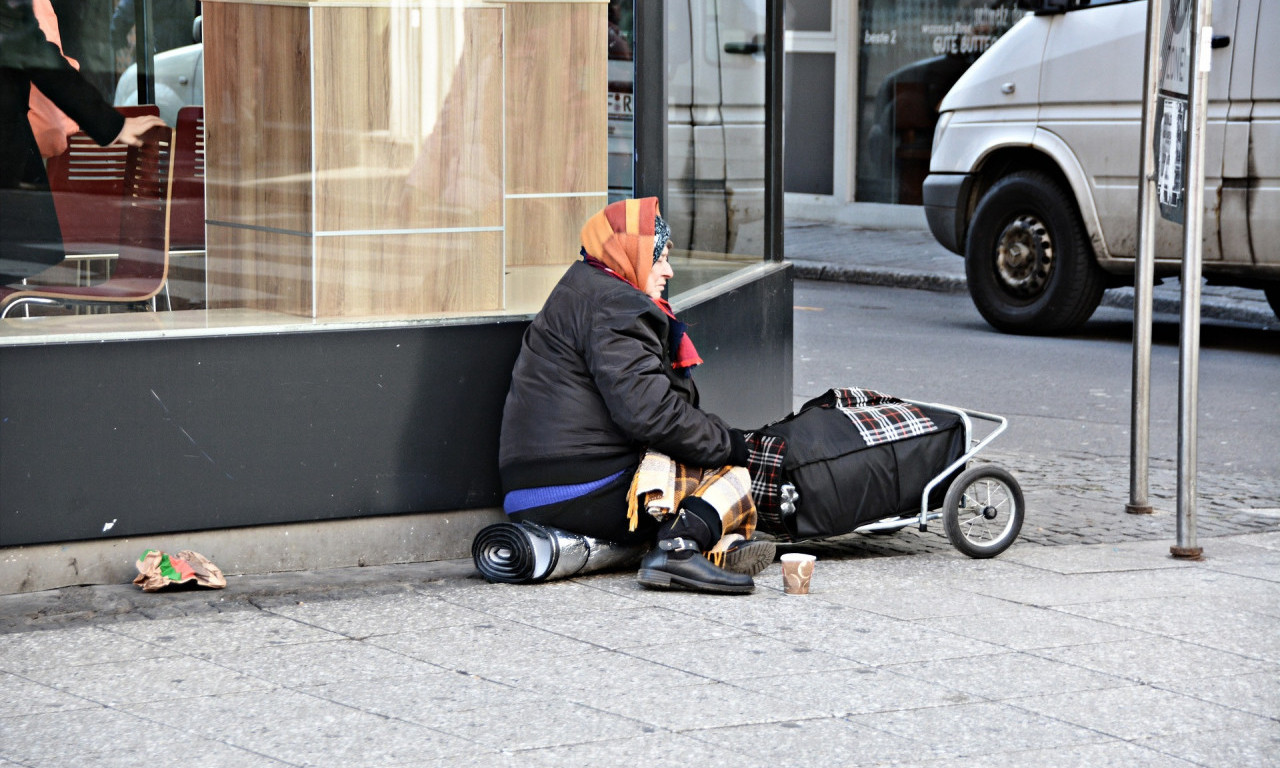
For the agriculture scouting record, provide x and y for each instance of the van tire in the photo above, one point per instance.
(1028, 262)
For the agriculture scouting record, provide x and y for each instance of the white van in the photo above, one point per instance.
(1033, 176)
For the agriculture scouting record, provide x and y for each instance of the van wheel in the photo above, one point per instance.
(1028, 262)
(1273, 298)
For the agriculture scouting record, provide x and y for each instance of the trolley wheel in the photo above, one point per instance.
(983, 511)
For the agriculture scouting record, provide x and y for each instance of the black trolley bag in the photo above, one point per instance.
(853, 456)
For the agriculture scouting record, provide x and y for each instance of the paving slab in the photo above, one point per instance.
(659, 750)
(21, 696)
(116, 683)
(824, 741)
(694, 707)
(1157, 660)
(541, 724)
(1008, 675)
(304, 730)
(1256, 746)
(221, 633)
(1139, 711)
(1113, 752)
(1176, 616)
(378, 615)
(839, 693)
(55, 737)
(1256, 692)
(1024, 627)
(976, 729)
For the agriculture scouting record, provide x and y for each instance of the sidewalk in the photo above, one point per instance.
(1084, 644)
(1109, 654)
(911, 258)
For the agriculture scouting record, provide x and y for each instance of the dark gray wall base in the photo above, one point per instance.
(369, 541)
(134, 438)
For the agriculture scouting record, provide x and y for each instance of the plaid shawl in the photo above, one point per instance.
(661, 483)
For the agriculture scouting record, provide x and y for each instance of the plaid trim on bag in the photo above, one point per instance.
(881, 418)
(764, 462)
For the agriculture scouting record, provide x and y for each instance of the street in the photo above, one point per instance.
(1067, 399)
(1067, 393)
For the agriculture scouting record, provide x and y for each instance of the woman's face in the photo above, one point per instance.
(660, 274)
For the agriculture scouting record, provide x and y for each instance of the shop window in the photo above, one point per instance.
(910, 54)
(411, 162)
(715, 136)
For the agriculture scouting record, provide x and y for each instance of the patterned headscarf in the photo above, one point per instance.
(622, 236)
(626, 238)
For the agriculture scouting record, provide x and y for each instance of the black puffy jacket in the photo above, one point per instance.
(593, 387)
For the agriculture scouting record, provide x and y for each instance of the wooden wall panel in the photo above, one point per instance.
(547, 230)
(409, 118)
(258, 115)
(408, 274)
(425, 118)
(557, 96)
(259, 270)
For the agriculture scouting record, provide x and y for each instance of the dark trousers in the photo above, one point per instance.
(601, 514)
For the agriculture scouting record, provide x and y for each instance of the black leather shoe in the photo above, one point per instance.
(661, 570)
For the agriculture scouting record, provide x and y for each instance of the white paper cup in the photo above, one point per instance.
(797, 572)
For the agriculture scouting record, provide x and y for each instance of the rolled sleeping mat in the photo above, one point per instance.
(527, 553)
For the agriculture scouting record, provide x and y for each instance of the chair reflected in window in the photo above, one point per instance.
(186, 210)
(137, 212)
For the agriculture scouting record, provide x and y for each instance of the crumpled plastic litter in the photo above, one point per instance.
(157, 570)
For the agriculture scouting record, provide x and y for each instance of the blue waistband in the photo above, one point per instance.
(528, 498)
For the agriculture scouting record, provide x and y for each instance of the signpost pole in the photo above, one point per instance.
(1144, 274)
(1189, 343)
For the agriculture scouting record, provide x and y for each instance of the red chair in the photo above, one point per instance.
(87, 181)
(141, 213)
(186, 210)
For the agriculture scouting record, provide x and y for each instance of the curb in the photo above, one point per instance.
(1214, 307)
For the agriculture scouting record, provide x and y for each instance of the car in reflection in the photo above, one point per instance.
(179, 78)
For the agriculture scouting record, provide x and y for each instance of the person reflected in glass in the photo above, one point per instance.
(30, 238)
(602, 388)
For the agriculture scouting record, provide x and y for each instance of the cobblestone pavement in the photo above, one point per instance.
(1079, 498)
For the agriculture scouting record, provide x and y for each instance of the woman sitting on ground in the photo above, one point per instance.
(604, 376)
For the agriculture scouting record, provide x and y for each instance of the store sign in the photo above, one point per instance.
(1171, 110)
(972, 35)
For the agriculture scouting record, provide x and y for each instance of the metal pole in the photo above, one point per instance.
(775, 58)
(1144, 275)
(649, 89)
(144, 51)
(1189, 343)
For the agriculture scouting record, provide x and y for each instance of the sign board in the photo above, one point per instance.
(1171, 111)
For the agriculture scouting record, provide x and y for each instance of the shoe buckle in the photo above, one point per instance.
(678, 544)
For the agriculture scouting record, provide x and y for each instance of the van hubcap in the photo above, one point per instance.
(1024, 257)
